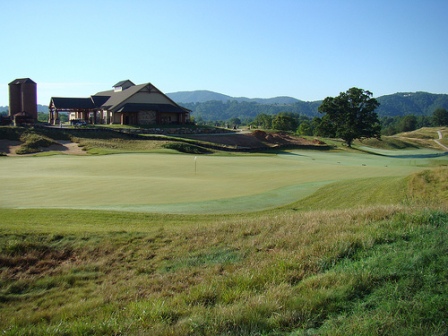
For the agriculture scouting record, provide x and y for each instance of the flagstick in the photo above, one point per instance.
(195, 158)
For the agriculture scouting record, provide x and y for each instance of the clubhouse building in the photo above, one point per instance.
(125, 104)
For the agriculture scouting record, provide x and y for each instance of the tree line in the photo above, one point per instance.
(398, 104)
(304, 125)
(351, 115)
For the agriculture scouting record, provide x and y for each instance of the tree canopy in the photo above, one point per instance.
(440, 117)
(350, 116)
(284, 122)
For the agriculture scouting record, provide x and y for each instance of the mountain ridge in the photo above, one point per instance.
(224, 107)
(202, 96)
(213, 106)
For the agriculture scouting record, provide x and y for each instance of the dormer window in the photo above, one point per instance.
(123, 85)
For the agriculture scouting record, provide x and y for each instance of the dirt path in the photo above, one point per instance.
(439, 143)
(65, 147)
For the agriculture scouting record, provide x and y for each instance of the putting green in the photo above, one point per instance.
(182, 184)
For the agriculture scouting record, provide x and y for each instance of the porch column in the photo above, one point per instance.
(51, 116)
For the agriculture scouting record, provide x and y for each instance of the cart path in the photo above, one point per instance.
(439, 143)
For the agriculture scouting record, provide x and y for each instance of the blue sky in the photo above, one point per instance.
(257, 49)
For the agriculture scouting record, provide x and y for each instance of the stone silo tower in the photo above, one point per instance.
(23, 98)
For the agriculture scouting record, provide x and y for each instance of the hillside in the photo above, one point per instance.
(416, 103)
(223, 107)
(202, 96)
(199, 96)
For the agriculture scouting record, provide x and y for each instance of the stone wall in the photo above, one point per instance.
(175, 130)
(147, 117)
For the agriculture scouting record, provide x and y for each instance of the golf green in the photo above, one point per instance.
(188, 184)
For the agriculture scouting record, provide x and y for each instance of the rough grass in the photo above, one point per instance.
(318, 272)
(387, 142)
(421, 138)
(33, 142)
(421, 185)
(118, 145)
(186, 148)
(424, 133)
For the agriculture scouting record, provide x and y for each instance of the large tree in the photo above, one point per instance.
(284, 122)
(440, 117)
(350, 116)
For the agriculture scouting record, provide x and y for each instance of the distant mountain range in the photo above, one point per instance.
(209, 105)
(213, 106)
(202, 96)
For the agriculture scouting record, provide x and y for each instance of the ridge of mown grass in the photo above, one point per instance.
(363, 270)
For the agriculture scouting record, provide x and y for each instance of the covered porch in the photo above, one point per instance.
(77, 108)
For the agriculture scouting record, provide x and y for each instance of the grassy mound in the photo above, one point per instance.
(32, 139)
(33, 142)
(421, 138)
(430, 185)
(186, 148)
(388, 143)
(423, 133)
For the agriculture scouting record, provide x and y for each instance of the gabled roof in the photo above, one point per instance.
(98, 101)
(124, 83)
(119, 97)
(22, 81)
(117, 100)
(72, 103)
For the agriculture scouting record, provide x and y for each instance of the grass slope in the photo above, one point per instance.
(359, 271)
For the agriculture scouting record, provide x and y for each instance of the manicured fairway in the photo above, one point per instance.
(180, 184)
